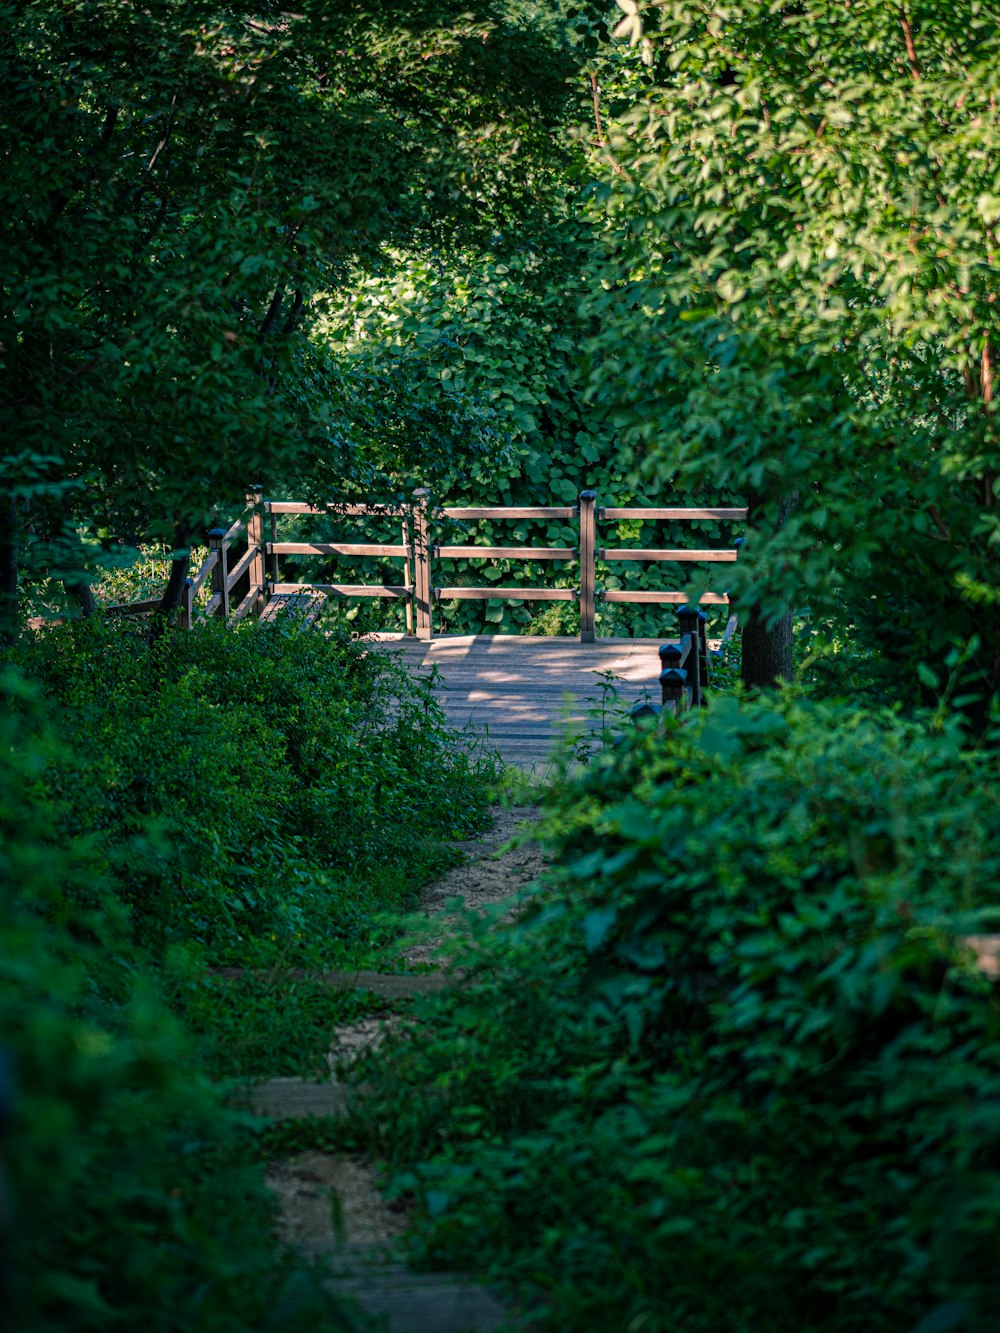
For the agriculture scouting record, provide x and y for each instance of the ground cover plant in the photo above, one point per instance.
(248, 799)
(736, 1069)
(130, 1197)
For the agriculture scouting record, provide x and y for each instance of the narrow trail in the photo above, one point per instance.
(330, 1208)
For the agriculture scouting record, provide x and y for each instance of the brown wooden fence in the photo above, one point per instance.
(242, 572)
(419, 551)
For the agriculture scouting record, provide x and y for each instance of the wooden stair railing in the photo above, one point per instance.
(684, 671)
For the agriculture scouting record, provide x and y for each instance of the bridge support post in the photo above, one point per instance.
(422, 564)
(588, 543)
(255, 538)
(220, 571)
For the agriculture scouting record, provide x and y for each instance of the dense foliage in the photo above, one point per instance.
(130, 1199)
(178, 181)
(803, 209)
(247, 798)
(736, 1059)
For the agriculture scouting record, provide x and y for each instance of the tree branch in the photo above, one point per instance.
(911, 50)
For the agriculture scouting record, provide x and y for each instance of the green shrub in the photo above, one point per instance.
(736, 1070)
(243, 784)
(131, 1203)
(247, 798)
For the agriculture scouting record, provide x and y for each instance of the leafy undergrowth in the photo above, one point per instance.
(249, 798)
(129, 1183)
(736, 1070)
(213, 802)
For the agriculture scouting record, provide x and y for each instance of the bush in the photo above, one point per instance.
(737, 1069)
(245, 798)
(131, 1203)
(247, 787)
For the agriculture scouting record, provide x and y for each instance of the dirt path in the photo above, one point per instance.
(330, 1208)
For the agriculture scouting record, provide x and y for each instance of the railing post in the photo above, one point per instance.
(255, 538)
(692, 622)
(187, 606)
(588, 543)
(220, 570)
(407, 573)
(672, 685)
(422, 564)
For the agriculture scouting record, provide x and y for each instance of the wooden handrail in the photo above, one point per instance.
(506, 552)
(509, 511)
(633, 511)
(417, 551)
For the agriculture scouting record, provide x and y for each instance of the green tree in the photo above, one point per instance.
(805, 204)
(177, 180)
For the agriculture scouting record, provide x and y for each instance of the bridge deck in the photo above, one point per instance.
(524, 693)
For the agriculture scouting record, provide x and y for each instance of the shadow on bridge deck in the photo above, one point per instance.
(527, 693)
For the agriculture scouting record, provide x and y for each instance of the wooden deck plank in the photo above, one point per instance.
(524, 694)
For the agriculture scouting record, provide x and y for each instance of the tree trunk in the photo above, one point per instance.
(8, 570)
(767, 644)
(173, 593)
(767, 650)
(84, 594)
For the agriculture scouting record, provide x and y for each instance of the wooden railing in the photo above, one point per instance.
(684, 671)
(417, 551)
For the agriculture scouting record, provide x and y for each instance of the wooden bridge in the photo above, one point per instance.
(522, 692)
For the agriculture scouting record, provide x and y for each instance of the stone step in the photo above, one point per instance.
(423, 1302)
(386, 985)
(296, 1098)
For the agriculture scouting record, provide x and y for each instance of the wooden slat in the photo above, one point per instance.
(150, 604)
(634, 553)
(614, 512)
(343, 589)
(245, 605)
(212, 605)
(676, 598)
(211, 560)
(241, 567)
(234, 531)
(522, 594)
(500, 511)
(303, 605)
(336, 548)
(505, 552)
(332, 508)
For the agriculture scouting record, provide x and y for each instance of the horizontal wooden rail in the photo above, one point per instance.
(634, 553)
(233, 533)
(506, 552)
(504, 594)
(651, 597)
(246, 605)
(211, 560)
(332, 508)
(213, 604)
(337, 548)
(510, 511)
(123, 608)
(343, 589)
(615, 512)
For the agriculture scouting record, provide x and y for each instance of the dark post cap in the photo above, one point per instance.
(672, 650)
(673, 676)
(588, 495)
(645, 715)
(217, 534)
